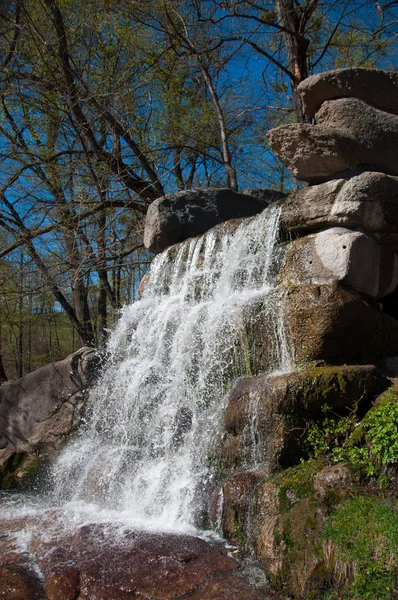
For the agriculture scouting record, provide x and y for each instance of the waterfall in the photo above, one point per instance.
(172, 358)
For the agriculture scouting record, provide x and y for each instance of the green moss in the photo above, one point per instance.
(21, 471)
(322, 384)
(296, 483)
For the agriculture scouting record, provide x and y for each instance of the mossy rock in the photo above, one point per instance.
(23, 471)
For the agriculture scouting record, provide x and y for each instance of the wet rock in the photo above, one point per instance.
(176, 217)
(284, 528)
(19, 578)
(266, 415)
(373, 86)
(340, 255)
(348, 134)
(367, 200)
(39, 411)
(331, 324)
(107, 562)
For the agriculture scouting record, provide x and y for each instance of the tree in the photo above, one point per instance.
(297, 37)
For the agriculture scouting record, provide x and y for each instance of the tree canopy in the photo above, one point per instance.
(106, 106)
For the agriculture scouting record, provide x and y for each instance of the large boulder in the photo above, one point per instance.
(348, 134)
(368, 200)
(375, 87)
(176, 217)
(266, 415)
(340, 255)
(107, 562)
(42, 409)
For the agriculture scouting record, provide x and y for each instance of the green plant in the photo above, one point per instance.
(370, 447)
(361, 547)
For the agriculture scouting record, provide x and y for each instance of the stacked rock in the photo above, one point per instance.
(349, 158)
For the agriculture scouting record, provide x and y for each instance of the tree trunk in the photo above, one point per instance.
(293, 20)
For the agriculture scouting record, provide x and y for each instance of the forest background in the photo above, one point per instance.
(106, 106)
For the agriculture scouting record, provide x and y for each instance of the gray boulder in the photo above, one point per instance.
(375, 87)
(367, 200)
(266, 196)
(176, 217)
(40, 410)
(339, 255)
(348, 134)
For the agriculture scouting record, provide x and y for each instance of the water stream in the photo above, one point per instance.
(142, 457)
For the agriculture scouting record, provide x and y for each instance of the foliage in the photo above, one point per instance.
(371, 446)
(361, 545)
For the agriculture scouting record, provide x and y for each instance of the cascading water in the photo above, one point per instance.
(172, 357)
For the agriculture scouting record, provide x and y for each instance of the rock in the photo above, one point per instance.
(111, 562)
(367, 200)
(176, 217)
(321, 323)
(340, 255)
(373, 86)
(348, 134)
(19, 579)
(336, 476)
(41, 410)
(313, 153)
(266, 415)
(142, 286)
(264, 195)
(331, 324)
(271, 510)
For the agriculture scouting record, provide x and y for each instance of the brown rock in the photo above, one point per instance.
(331, 324)
(367, 200)
(337, 476)
(111, 562)
(19, 579)
(266, 415)
(340, 255)
(349, 133)
(373, 86)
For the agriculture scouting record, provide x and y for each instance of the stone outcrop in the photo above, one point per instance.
(41, 410)
(348, 133)
(266, 415)
(350, 258)
(351, 131)
(176, 217)
(365, 201)
(375, 87)
(104, 562)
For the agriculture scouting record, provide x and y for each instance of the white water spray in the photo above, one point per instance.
(173, 356)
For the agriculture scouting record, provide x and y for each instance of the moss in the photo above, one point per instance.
(22, 471)
(322, 384)
(296, 483)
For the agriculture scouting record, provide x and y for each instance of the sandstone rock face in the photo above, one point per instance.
(375, 87)
(349, 133)
(104, 562)
(341, 255)
(41, 409)
(336, 476)
(331, 324)
(176, 217)
(313, 153)
(367, 200)
(266, 415)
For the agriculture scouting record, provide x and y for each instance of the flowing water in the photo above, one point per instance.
(143, 455)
